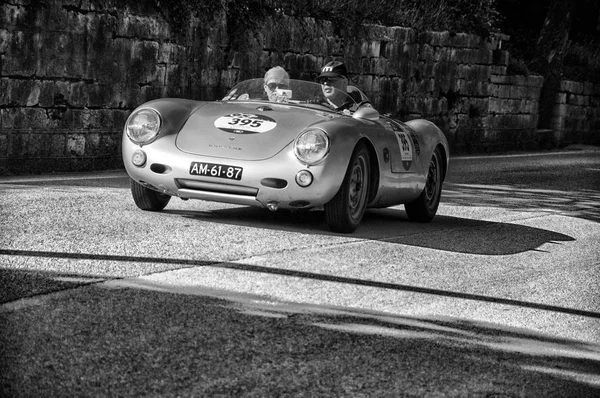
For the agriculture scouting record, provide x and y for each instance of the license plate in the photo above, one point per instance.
(216, 170)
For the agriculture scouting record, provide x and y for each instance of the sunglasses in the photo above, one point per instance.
(273, 86)
(330, 81)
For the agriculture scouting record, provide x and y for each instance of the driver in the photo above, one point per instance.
(275, 78)
(334, 75)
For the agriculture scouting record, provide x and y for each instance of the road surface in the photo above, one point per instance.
(497, 297)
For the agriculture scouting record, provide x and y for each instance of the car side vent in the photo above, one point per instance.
(160, 168)
(274, 183)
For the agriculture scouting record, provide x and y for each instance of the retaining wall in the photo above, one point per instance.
(72, 70)
(576, 116)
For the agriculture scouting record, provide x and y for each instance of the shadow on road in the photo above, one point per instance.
(132, 340)
(56, 281)
(583, 203)
(446, 233)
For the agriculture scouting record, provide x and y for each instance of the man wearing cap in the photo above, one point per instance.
(334, 84)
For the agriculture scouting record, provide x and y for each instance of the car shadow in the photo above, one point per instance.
(454, 234)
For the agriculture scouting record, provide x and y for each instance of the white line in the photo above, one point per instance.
(520, 155)
(17, 180)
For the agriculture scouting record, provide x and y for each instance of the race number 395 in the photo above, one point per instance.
(245, 123)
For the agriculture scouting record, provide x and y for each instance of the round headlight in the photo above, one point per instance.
(143, 126)
(312, 146)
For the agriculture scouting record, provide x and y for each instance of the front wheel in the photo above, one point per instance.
(344, 212)
(148, 199)
(423, 209)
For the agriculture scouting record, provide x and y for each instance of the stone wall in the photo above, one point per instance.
(72, 70)
(576, 116)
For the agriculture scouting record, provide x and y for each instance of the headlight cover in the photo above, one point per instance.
(312, 146)
(143, 126)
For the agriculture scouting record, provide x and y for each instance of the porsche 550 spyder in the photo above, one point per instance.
(300, 152)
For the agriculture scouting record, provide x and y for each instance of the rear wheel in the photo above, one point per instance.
(423, 209)
(148, 199)
(344, 212)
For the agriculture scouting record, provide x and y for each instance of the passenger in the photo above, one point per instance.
(335, 75)
(275, 78)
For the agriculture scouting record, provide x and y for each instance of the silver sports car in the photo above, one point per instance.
(307, 148)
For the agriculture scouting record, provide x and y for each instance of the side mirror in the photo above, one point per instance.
(366, 112)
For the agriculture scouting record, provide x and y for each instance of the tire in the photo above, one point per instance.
(148, 199)
(344, 212)
(423, 209)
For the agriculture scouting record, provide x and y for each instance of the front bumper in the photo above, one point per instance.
(268, 183)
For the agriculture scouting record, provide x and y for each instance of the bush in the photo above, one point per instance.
(467, 16)
(582, 61)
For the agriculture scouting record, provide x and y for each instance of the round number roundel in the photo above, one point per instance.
(245, 123)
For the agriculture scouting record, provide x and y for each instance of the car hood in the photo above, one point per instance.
(245, 131)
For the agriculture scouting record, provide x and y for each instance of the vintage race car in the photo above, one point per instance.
(303, 151)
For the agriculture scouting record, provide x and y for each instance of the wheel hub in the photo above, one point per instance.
(431, 186)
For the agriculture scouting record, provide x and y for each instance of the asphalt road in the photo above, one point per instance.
(497, 297)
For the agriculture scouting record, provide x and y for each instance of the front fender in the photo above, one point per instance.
(174, 112)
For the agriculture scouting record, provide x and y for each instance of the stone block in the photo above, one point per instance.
(92, 144)
(17, 145)
(571, 87)
(175, 76)
(166, 51)
(40, 145)
(535, 81)
(426, 53)
(498, 70)
(143, 27)
(371, 49)
(12, 15)
(466, 56)
(58, 145)
(144, 50)
(149, 93)
(560, 110)
(3, 145)
(460, 40)
(500, 58)
(440, 39)
(5, 40)
(499, 79)
(494, 90)
(518, 92)
(495, 105)
(292, 61)
(110, 142)
(210, 77)
(35, 119)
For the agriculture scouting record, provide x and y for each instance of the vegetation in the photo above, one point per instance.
(524, 20)
(454, 15)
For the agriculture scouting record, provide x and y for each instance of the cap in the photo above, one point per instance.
(333, 68)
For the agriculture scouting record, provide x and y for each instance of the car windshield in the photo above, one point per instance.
(298, 92)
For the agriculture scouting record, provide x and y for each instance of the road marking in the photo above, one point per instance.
(522, 155)
(17, 180)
